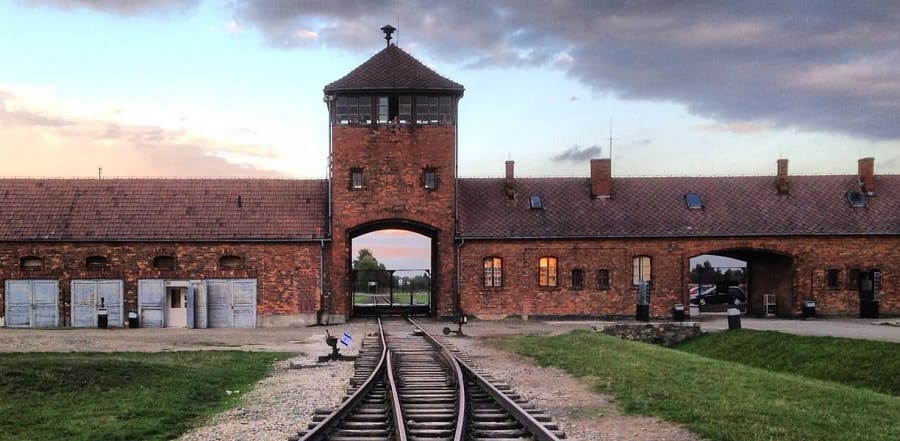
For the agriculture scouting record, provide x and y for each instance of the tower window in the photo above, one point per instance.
(96, 262)
(429, 178)
(353, 110)
(164, 262)
(31, 262)
(356, 178)
(230, 261)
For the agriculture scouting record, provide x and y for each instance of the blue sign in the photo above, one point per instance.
(345, 339)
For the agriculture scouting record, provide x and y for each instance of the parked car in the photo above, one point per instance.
(734, 296)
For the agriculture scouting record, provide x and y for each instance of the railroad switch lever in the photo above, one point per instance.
(460, 321)
(335, 354)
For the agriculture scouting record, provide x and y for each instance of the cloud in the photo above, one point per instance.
(736, 127)
(577, 154)
(119, 7)
(827, 67)
(33, 130)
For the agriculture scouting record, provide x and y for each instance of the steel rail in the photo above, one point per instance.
(521, 415)
(399, 422)
(337, 416)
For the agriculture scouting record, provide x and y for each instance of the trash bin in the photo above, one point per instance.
(102, 318)
(132, 320)
(734, 318)
(809, 309)
(678, 312)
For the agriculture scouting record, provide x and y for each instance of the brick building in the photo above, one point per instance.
(273, 252)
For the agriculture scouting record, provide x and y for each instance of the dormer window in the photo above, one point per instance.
(96, 262)
(693, 201)
(535, 202)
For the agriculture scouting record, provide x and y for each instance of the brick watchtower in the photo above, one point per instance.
(392, 166)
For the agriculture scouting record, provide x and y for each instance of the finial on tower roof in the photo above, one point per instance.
(388, 30)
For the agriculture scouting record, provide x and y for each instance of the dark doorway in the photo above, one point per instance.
(767, 282)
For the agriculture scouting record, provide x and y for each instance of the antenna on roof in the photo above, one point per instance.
(397, 43)
(388, 30)
(610, 138)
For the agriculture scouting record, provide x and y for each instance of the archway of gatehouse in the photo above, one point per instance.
(758, 282)
(392, 268)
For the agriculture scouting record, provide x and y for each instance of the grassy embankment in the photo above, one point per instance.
(723, 400)
(120, 396)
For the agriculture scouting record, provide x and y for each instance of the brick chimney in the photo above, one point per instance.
(781, 180)
(510, 188)
(866, 175)
(601, 178)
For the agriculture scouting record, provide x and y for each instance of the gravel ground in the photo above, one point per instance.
(284, 402)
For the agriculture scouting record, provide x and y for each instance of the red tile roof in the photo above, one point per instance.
(655, 207)
(393, 69)
(162, 209)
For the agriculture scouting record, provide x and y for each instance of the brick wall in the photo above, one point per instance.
(792, 268)
(393, 159)
(287, 275)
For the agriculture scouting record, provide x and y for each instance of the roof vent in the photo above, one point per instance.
(856, 199)
(388, 30)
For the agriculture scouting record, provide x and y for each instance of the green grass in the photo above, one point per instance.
(120, 396)
(716, 399)
(860, 363)
(421, 298)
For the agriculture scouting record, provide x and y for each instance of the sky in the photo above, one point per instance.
(216, 88)
(234, 88)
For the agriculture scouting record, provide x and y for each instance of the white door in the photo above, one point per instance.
(32, 303)
(88, 295)
(231, 303)
(151, 302)
(176, 307)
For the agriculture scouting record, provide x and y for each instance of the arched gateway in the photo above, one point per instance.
(393, 165)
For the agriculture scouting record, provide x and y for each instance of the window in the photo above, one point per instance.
(96, 262)
(164, 262)
(429, 179)
(535, 202)
(230, 262)
(445, 111)
(603, 279)
(641, 270)
(383, 110)
(353, 110)
(577, 278)
(493, 272)
(356, 178)
(856, 199)
(693, 201)
(405, 115)
(547, 271)
(853, 279)
(31, 262)
(832, 278)
(433, 110)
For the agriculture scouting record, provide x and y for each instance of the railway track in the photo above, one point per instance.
(411, 386)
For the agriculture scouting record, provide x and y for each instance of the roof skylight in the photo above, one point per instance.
(856, 199)
(693, 201)
(535, 202)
